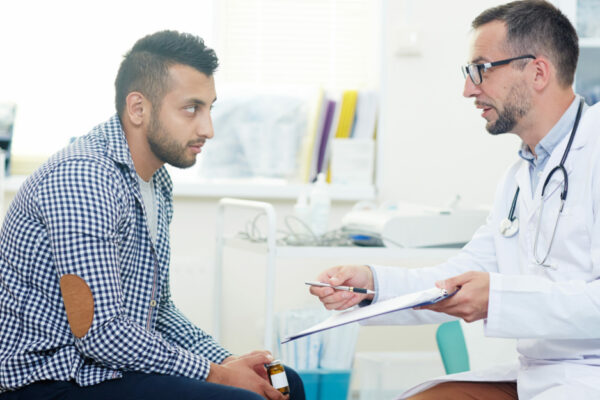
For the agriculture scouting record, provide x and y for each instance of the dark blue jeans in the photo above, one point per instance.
(137, 385)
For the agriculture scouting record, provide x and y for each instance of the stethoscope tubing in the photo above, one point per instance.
(563, 196)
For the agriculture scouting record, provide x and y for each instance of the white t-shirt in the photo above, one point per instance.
(149, 197)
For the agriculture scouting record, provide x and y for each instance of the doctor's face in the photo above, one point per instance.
(503, 94)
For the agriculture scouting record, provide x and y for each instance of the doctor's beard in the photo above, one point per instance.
(515, 107)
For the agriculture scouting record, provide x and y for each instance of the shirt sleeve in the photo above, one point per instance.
(178, 330)
(84, 211)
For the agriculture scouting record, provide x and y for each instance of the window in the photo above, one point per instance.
(60, 59)
(64, 54)
(332, 43)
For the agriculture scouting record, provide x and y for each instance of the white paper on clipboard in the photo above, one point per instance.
(424, 297)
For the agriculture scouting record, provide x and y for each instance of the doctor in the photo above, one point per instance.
(532, 271)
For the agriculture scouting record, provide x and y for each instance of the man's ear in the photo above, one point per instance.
(136, 108)
(543, 70)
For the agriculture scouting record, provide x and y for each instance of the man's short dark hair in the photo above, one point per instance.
(539, 28)
(145, 68)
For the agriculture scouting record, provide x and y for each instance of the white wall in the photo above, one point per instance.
(434, 144)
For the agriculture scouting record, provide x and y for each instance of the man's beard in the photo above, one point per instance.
(516, 106)
(165, 148)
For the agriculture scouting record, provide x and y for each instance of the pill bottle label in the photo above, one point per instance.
(279, 380)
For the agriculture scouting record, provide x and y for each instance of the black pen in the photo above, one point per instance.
(346, 288)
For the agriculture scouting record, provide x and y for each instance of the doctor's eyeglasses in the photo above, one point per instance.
(474, 71)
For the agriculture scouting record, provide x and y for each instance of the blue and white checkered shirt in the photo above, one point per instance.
(82, 213)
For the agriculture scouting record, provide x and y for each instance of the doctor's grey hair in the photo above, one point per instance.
(539, 28)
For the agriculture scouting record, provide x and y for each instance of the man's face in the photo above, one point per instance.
(503, 94)
(183, 123)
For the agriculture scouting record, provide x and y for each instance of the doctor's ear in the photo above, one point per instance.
(542, 70)
(137, 108)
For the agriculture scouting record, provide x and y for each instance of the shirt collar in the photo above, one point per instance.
(117, 147)
(558, 132)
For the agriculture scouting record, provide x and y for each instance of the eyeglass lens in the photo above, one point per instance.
(474, 73)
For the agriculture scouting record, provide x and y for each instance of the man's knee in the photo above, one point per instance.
(296, 385)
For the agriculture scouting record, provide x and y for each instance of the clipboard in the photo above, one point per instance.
(416, 299)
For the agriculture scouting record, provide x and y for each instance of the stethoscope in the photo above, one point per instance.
(510, 226)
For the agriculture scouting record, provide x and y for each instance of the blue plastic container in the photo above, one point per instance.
(310, 379)
(326, 384)
(334, 384)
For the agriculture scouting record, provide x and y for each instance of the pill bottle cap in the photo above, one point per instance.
(274, 362)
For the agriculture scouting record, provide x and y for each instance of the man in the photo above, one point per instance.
(85, 308)
(532, 271)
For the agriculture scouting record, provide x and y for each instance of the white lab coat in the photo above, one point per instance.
(554, 313)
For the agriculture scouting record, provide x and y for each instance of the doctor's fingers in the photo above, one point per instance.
(351, 302)
(353, 275)
(341, 300)
(321, 292)
(468, 311)
(444, 305)
(326, 275)
(456, 282)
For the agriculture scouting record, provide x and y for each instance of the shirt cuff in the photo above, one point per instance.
(191, 365)
(492, 321)
(375, 288)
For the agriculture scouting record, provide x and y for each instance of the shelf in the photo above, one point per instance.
(265, 189)
(347, 251)
(245, 188)
(586, 43)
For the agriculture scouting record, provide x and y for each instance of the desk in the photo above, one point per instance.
(272, 252)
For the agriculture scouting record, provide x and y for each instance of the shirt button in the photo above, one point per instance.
(153, 303)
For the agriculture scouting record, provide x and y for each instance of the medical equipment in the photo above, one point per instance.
(415, 226)
(509, 226)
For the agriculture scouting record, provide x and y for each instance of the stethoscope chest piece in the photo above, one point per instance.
(509, 228)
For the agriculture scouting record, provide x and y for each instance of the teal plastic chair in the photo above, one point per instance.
(452, 347)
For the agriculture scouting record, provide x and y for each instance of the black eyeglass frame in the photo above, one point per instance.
(474, 71)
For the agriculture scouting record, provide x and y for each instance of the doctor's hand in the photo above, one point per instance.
(354, 275)
(470, 302)
(246, 372)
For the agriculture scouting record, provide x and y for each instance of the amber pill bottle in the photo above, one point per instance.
(277, 376)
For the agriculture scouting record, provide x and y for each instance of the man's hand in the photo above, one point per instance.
(471, 301)
(259, 368)
(246, 372)
(354, 275)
